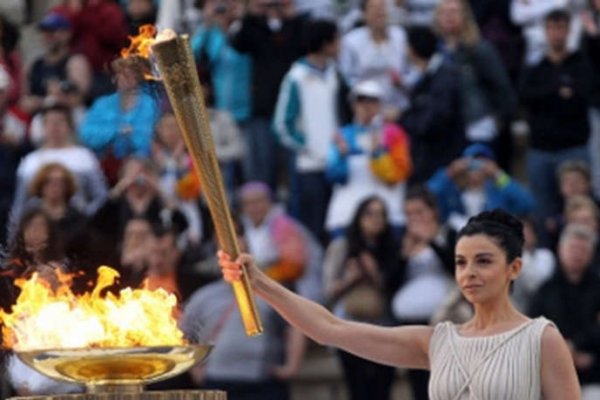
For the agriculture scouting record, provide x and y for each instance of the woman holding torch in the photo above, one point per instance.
(498, 354)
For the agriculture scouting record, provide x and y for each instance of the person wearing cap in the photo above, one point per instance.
(58, 70)
(367, 157)
(474, 183)
(99, 33)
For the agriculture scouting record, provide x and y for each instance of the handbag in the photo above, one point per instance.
(364, 302)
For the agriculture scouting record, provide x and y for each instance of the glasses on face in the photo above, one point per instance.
(374, 213)
(366, 99)
(55, 179)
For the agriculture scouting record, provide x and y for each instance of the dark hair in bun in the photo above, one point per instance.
(504, 228)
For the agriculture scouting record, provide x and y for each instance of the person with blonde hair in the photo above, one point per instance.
(122, 124)
(59, 145)
(488, 98)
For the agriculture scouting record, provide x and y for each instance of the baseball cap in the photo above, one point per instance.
(54, 21)
(479, 150)
(368, 88)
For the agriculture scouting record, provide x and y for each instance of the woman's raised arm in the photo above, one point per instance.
(405, 347)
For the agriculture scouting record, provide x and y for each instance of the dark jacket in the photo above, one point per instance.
(434, 117)
(557, 122)
(272, 54)
(591, 46)
(486, 87)
(574, 308)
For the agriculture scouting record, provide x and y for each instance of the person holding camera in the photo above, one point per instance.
(57, 68)
(229, 70)
(269, 33)
(137, 194)
(474, 183)
(556, 93)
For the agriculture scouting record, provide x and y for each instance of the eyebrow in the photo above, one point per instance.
(484, 254)
(476, 255)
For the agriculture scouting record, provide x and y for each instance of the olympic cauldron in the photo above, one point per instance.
(111, 344)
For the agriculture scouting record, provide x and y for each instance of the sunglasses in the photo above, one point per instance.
(366, 99)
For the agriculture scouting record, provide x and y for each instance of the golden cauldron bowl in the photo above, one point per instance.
(122, 369)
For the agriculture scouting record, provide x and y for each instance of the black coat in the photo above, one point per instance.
(557, 122)
(272, 54)
(434, 121)
(575, 309)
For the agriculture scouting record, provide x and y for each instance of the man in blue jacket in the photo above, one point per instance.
(475, 183)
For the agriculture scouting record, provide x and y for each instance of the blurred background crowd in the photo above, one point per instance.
(354, 138)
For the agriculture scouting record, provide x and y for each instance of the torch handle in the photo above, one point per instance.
(178, 71)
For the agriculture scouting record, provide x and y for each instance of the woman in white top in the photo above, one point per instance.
(498, 354)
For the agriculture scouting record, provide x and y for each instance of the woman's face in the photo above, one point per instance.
(365, 109)
(376, 16)
(127, 79)
(450, 17)
(255, 206)
(583, 216)
(57, 130)
(482, 272)
(36, 234)
(168, 131)
(373, 218)
(419, 213)
(55, 185)
(574, 184)
(138, 232)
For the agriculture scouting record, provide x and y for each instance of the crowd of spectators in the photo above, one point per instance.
(355, 138)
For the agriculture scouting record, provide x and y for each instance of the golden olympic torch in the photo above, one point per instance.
(178, 72)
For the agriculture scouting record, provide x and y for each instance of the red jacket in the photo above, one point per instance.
(99, 31)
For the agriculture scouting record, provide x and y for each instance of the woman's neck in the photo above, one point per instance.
(490, 315)
(57, 144)
(56, 208)
(379, 35)
(139, 200)
(128, 99)
(451, 42)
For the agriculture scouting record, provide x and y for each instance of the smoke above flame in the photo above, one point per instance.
(49, 316)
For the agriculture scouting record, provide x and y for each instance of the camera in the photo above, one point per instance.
(272, 3)
(475, 164)
(68, 87)
(140, 180)
(220, 8)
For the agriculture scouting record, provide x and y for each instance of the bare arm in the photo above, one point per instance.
(559, 379)
(79, 72)
(405, 347)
